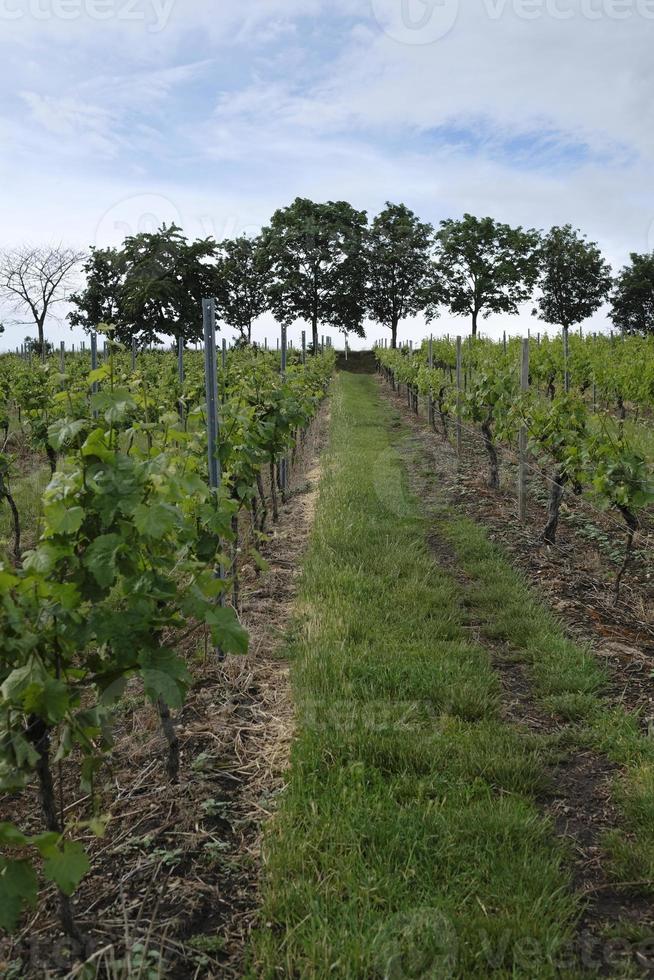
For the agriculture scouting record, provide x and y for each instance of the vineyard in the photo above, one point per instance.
(453, 545)
(577, 413)
(125, 528)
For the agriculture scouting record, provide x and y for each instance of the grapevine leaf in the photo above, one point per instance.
(63, 432)
(67, 866)
(18, 886)
(100, 558)
(164, 676)
(62, 519)
(226, 631)
(155, 520)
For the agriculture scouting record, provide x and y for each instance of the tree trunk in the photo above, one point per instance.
(556, 496)
(475, 315)
(493, 470)
(394, 334)
(314, 333)
(40, 325)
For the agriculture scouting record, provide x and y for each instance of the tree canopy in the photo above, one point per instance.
(153, 286)
(484, 267)
(574, 278)
(317, 258)
(400, 270)
(633, 299)
(243, 283)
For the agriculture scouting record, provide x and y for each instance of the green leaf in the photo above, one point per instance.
(100, 558)
(164, 675)
(155, 520)
(62, 519)
(67, 867)
(96, 445)
(226, 631)
(11, 836)
(63, 432)
(18, 887)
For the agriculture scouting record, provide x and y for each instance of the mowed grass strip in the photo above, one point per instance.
(408, 842)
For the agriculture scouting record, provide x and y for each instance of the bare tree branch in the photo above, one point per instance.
(35, 278)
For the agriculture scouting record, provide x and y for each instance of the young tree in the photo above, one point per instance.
(574, 280)
(243, 281)
(399, 266)
(34, 280)
(633, 298)
(317, 256)
(484, 267)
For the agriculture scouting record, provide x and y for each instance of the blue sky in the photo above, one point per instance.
(119, 114)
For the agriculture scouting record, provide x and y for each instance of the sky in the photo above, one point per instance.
(117, 115)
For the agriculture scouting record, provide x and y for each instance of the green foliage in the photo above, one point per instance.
(129, 541)
(400, 270)
(484, 267)
(574, 278)
(633, 296)
(317, 254)
(153, 285)
(243, 283)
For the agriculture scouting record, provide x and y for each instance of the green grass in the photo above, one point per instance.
(27, 492)
(409, 825)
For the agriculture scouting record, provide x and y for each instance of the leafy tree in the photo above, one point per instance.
(633, 298)
(33, 346)
(100, 301)
(34, 280)
(317, 256)
(575, 279)
(399, 266)
(243, 280)
(153, 286)
(484, 267)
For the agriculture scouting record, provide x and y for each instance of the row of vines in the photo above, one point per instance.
(133, 550)
(587, 413)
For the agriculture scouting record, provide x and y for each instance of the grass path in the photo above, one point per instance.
(410, 842)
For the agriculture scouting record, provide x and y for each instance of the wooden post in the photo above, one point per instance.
(566, 356)
(62, 357)
(459, 427)
(522, 467)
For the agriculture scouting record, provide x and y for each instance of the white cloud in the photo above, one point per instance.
(233, 109)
